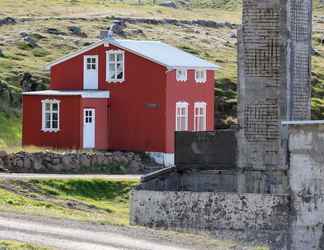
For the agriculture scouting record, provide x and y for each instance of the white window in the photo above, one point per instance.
(201, 76)
(115, 66)
(50, 115)
(181, 75)
(200, 116)
(91, 62)
(182, 116)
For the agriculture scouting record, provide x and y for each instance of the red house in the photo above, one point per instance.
(121, 95)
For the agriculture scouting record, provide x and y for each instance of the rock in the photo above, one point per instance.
(75, 30)
(118, 27)
(29, 41)
(2, 168)
(3, 154)
(7, 21)
(27, 163)
(135, 32)
(85, 161)
(1, 53)
(54, 31)
(135, 167)
(19, 163)
(28, 83)
(315, 52)
(168, 4)
(233, 34)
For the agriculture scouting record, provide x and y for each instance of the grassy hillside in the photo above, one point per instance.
(29, 44)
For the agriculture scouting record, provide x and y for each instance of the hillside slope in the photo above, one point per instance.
(38, 32)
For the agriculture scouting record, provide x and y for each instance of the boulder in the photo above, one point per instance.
(27, 163)
(7, 21)
(54, 31)
(75, 30)
(30, 42)
(1, 53)
(118, 27)
(168, 4)
(3, 154)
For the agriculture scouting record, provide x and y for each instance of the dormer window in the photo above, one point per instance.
(201, 76)
(181, 75)
(115, 66)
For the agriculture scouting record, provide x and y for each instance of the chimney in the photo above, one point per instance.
(106, 34)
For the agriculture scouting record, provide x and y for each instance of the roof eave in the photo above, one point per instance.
(73, 54)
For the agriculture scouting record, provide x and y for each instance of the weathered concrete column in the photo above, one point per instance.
(274, 78)
(262, 84)
(299, 24)
(306, 177)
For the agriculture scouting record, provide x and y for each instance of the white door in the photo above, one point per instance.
(90, 72)
(89, 121)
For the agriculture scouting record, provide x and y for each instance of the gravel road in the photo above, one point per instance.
(72, 235)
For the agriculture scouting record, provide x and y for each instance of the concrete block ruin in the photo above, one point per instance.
(262, 181)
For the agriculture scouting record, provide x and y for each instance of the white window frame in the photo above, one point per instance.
(115, 52)
(200, 105)
(201, 75)
(181, 75)
(51, 112)
(92, 62)
(181, 105)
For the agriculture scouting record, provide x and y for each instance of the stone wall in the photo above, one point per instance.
(306, 175)
(252, 217)
(72, 162)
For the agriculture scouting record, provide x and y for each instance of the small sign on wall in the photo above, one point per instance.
(152, 105)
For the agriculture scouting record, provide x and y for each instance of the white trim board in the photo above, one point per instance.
(84, 94)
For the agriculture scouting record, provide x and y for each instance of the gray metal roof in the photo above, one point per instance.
(163, 53)
(155, 51)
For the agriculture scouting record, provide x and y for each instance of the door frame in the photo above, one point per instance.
(94, 85)
(94, 127)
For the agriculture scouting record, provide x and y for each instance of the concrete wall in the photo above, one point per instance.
(255, 217)
(306, 175)
(206, 150)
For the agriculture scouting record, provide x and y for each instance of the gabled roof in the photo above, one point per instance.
(155, 51)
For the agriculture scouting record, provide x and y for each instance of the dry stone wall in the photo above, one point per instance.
(72, 162)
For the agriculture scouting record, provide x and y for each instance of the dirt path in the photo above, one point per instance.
(84, 236)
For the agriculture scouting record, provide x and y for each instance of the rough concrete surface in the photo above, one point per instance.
(306, 175)
(252, 215)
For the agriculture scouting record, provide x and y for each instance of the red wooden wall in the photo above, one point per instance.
(69, 134)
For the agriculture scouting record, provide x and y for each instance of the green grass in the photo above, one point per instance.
(104, 201)
(10, 130)
(15, 245)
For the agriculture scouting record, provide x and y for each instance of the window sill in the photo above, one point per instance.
(115, 81)
(181, 80)
(50, 130)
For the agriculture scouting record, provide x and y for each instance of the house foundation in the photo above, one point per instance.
(261, 181)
